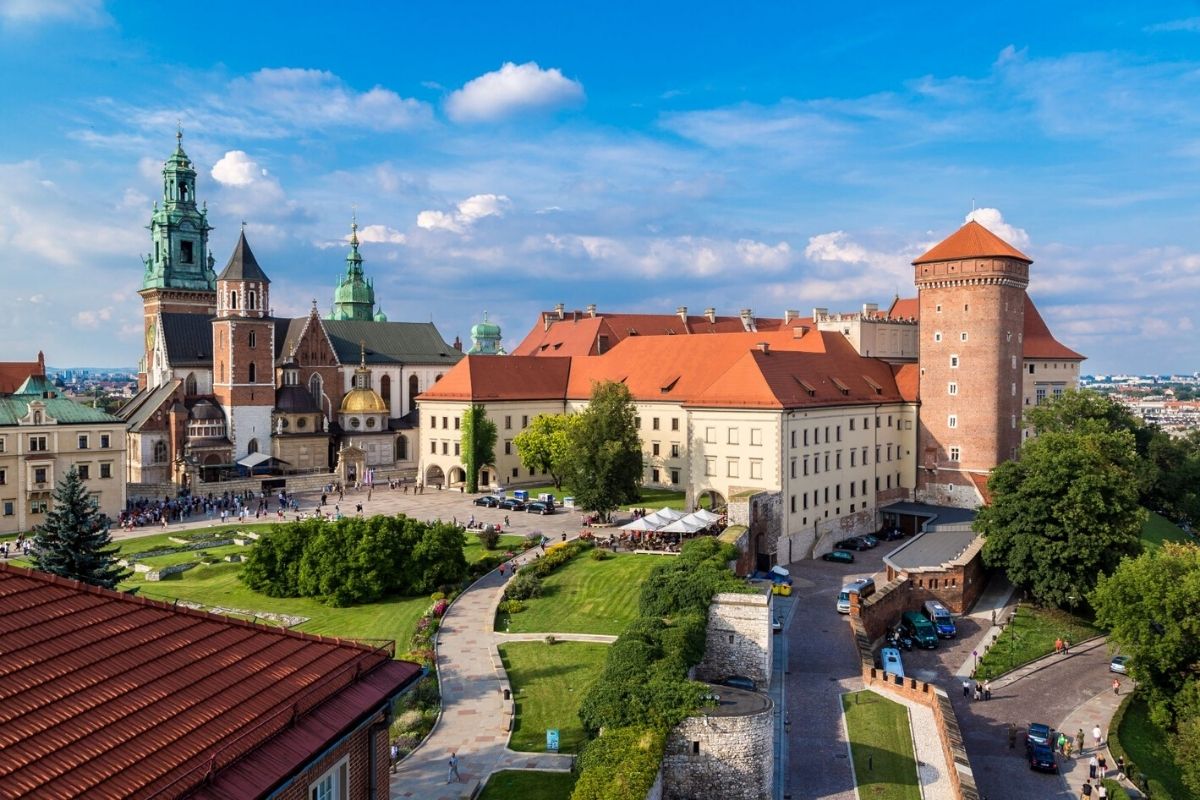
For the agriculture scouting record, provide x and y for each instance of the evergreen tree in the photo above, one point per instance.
(74, 542)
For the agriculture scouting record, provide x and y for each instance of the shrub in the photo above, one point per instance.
(409, 720)
(524, 586)
(532, 540)
(622, 763)
(600, 554)
(550, 638)
(512, 606)
(486, 564)
(437, 596)
(489, 536)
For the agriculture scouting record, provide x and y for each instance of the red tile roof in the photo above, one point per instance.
(1039, 342)
(908, 380)
(971, 241)
(577, 333)
(981, 483)
(112, 695)
(483, 378)
(14, 373)
(904, 308)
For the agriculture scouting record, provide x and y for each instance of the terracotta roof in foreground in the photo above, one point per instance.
(104, 694)
(971, 241)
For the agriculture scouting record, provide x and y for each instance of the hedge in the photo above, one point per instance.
(621, 764)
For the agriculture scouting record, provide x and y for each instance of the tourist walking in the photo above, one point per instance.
(987, 690)
(1102, 767)
(1116, 685)
(1096, 736)
(1093, 763)
(453, 772)
(1079, 740)
(1084, 793)
(1058, 646)
(966, 688)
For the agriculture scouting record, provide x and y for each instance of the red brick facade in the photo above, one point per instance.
(169, 301)
(357, 747)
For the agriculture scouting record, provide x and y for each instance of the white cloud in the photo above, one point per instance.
(993, 220)
(28, 12)
(237, 169)
(379, 233)
(92, 318)
(511, 89)
(134, 199)
(466, 214)
(761, 254)
(318, 98)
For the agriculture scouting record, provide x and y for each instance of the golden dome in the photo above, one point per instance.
(363, 401)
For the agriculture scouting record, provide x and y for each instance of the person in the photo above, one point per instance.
(395, 755)
(501, 570)
(1096, 736)
(978, 690)
(1066, 647)
(453, 774)
(1120, 768)
(1079, 740)
(1062, 743)
(1067, 747)
(1084, 793)
(1102, 767)
(1116, 686)
(1058, 646)
(1093, 763)
(1102, 792)
(966, 688)
(506, 522)
(987, 690)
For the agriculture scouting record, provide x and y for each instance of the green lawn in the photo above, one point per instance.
(587, 596)
(1159, 529)
(549, 682)
(1031, 637)
(652, 497)
(513, 784)
(1146, 747)
(881, 746)
(474, 549)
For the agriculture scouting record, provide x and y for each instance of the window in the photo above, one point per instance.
(853, 454)
(839, 433)
(445, 448)
(756, 436)
(457, 448)
(756, 469)
(38, 506)
(837, 460)
(674, 476)
(457, 423)
(402, 448)
(185, 248)
(852, 423)
(253, 372)
(954, 362)
(952, 388)
(85, 471)
(160, 452)
(792, 468)
(3, 477)
(104, 442)
(508, 447)
(445, 422)
(654, 449)
(637, 422)
(524, 421)
(710, 465)
(792, 502)
(938, 308)
(1040, 393)
(952, 422)
(937, 336)
(1031, 366)
(1058, 390)
(83, 441)
(1014, 422)
(514, 472)
(1014, 362)
(675, 426)
(433, 448)
(253, 337)
(674, 451)
(710, 435)
(955, 453)
(508, 423)
(962, 337)
(806, 437)
(37, 444)
(10, 508)
(333, 785)
(732, 436)
(806, 465)
(39, 475)
(654, 423)
(731, 468)
(233, 299)
(3, 443)
(654, 475)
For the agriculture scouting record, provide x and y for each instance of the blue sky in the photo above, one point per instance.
(636, 156)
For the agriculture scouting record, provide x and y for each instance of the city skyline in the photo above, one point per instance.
(779, 159)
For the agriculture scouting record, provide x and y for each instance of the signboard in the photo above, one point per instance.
(551, 740)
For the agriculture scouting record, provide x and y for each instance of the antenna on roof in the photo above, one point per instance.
(972, 205)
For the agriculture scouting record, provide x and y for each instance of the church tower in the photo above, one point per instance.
(244, 352)
(485, 339)
(971, 291)
(354, 297)
(179, 276)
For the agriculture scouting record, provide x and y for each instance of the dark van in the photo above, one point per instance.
(920, 629)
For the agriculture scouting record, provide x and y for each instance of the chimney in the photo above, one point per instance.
(458, 344)
(559, 310)
(764, 347)
(818, 313)
(711, 313)
(747, 315)
(591, 310)
(870, 309)
(790, 315)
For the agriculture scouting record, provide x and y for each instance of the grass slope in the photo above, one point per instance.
(549, 681)
(511, 784)
(881, 746)
(1032, 636)
(587, 596)
(1147, 747)
(1158, 529)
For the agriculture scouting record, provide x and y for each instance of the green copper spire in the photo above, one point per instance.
(354, 297)
(485, 339)
(179, 231)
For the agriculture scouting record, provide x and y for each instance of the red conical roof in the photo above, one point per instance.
(972, 241)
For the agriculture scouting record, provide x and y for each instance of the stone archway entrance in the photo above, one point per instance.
(434, 477)
(713, 500)
(486, 476)
(351, 464)
(458, 476)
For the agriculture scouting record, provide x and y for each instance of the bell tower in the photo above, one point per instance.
(971, 290)
(178, 275)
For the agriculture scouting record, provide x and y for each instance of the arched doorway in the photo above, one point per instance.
(414, 388)
(402, 448)
(713, 500)
(208, 470)
(252, 447)
(486, 474)
(458, 476)
(189, 385)
(434, 477)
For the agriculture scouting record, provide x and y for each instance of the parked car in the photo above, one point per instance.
(863, 587)
(739, 682)
(512, 504)
(489, 500)
(840, 556)
(869, 540)
(890, 535)
(1118, 664)
(538, 507)
(890, 661)
(1041, 758)
(1036, 734)
(853, 543)
(919, 628)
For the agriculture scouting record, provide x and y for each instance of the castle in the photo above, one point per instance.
(226, 387)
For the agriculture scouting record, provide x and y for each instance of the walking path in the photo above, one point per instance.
(1097, 711)
(1045, 662)
(994, 604)
(476, 717)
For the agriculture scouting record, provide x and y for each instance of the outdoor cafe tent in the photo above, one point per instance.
(684, 525)
(664, 515)
(641, 524)
(706, 515)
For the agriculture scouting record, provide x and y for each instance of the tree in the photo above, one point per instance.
(1064, 513)
(545, 446)
(605, 459)
(74, 541)
(478, 444)
(1149, 604)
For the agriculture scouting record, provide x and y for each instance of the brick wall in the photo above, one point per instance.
(739, 639)
(883, 609)
(356, 746)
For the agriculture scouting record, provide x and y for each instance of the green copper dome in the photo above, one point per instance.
(354, 297)
(485, 338)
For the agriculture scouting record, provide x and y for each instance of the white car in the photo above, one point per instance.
(889, 657)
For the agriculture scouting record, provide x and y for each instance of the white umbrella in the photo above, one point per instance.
(641, 524)
(683, 525)
(706, 515)
(665, 515)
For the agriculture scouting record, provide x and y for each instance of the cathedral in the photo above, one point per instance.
(226, 388)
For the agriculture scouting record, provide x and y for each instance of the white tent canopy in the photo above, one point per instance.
(684, 525)
(641, 524)
(665, 515)
(706, 515)
(253, 460)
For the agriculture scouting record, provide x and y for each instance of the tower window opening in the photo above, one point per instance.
(233, 300)
(251, 299)
(185, 252)
(253, 373)
(183, 192)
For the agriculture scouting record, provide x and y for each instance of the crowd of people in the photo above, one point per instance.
(227, 507)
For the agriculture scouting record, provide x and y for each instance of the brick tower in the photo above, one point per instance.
(244, 352)
(972, 299)
(179, 276)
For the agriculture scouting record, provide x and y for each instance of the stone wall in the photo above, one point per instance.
(762, 513)
(730, 757)
(739, 537)
(739, 638)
